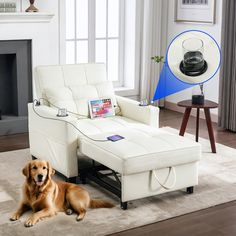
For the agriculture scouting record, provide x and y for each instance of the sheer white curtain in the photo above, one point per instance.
(153, 38)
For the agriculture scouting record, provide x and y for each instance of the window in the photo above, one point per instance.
(94, 32)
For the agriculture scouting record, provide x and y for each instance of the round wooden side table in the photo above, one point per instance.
(206, 106)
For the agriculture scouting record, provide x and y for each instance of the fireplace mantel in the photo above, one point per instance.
(26, 17)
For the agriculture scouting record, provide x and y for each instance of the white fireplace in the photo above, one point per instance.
(40, 29)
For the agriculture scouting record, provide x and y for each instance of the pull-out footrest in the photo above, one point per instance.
(150, 162)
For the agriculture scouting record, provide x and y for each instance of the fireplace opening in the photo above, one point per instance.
(8, 85)
(15, 85)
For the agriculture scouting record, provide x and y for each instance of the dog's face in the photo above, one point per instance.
(38, 171)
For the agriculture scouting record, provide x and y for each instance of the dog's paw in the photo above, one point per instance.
(78, 218)
(15, 216)
(69, 211)
(31, 221)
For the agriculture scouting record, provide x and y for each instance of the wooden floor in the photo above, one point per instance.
(214, 221)
(219, 220)
(14, 142)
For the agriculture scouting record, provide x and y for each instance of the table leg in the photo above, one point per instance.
(185, 121)
(197, 124)
(210, 129)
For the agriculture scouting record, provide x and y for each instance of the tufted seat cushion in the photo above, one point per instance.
(101, 125)
(144, 148)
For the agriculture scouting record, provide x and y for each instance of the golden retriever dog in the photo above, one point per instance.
(47, 197)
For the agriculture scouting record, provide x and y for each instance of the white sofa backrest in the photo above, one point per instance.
(71, 86)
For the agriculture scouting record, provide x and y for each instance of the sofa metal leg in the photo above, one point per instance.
(33, 157)
(72, 180)
(124, 205)
(190, 190)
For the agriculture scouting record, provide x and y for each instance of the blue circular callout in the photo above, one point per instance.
(212, 70)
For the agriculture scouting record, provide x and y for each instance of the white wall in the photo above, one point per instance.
(44, 36)
(46, 40)
(52, 31)
(212, 86)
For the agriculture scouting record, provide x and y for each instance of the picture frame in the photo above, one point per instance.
(10, 6)
(195, 11)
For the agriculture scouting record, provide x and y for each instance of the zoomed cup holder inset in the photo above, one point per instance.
(193, 63)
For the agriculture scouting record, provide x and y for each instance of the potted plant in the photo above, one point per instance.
(158, 59)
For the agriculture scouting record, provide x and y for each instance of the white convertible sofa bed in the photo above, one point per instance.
(148, 161)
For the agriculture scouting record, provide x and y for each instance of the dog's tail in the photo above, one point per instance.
(97, 203)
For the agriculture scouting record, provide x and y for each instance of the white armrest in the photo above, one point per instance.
(53, 140)
(145, 114)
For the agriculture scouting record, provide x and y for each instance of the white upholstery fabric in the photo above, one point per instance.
(61, 97)
(104, 125)
(145, 114)
(71, 86)
(57, 141)
(140, 185)
(54, 141)
(143, 149)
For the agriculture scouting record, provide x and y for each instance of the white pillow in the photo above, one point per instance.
(61, 97)
(76, 98)
(106, 90)
(83, 93)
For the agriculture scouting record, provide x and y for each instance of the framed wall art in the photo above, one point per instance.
(195, 11)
